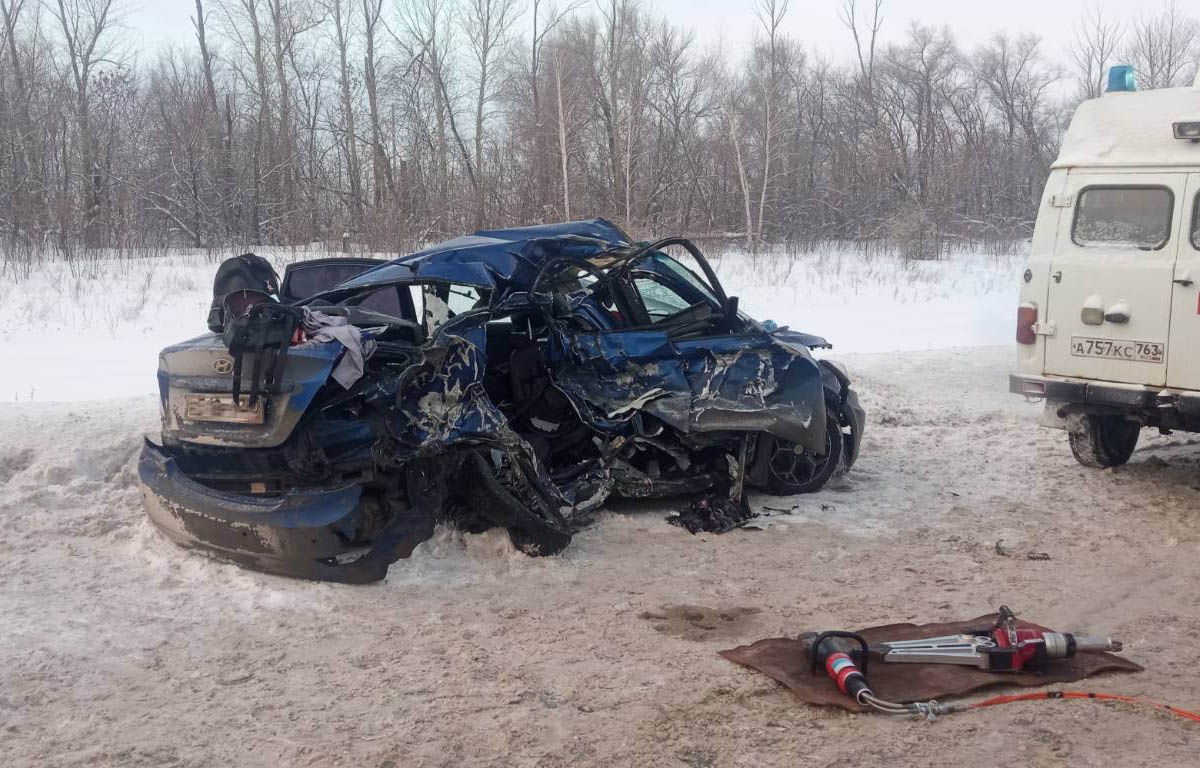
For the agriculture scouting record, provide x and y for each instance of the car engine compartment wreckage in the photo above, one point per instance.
(513, 378)
(904, 669)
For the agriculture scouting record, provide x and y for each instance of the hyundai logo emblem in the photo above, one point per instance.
(223, 365)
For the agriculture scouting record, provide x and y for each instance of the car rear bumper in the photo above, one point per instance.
(304, 534)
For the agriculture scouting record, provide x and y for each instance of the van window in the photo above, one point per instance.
(1139, 217)
(1196, 225)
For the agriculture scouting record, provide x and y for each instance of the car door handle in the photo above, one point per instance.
(1182, 281)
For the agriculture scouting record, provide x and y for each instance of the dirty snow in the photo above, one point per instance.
(92, 330)
(120, 649)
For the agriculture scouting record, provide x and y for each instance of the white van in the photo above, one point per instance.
(1108, 327)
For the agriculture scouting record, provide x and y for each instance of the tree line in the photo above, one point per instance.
(400, 121)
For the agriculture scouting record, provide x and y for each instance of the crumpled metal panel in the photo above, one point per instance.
(441, 403)
(441, 400)
(736, 383)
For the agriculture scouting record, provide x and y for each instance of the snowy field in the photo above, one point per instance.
(120, 649)
(93, 330)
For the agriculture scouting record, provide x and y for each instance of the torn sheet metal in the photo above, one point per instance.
(741, 383)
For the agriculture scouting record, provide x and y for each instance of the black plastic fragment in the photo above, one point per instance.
(713, 513)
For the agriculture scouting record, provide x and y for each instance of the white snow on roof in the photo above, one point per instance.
(1127, 129)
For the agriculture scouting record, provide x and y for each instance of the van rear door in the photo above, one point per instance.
(1108, 313)
(1183, 370)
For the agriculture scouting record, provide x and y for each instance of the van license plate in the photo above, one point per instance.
(202, 406)
(1119, 349)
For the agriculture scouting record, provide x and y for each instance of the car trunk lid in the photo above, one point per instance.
(195, 380)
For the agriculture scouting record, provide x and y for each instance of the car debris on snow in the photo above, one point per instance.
(713, 513)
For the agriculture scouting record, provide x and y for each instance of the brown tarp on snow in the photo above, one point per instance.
(787, 661)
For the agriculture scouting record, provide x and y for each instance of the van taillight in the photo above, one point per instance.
(1027, 317)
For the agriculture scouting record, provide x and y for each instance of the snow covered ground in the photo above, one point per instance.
(120, 649)
(93, 330)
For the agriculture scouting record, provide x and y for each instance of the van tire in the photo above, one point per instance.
(1102, 441)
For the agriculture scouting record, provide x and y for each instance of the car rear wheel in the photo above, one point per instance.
(533, 525)
(1102, 441)
(792, 470)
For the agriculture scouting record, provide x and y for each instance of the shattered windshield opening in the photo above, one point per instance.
(678, 269)
(665, 294)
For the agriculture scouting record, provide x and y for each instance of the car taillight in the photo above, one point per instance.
(1027, 317)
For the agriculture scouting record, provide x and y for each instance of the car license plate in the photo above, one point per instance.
(205, 406)
(1119, 349)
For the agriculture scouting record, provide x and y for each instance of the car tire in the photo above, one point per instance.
(790, 471)
(1102, 441)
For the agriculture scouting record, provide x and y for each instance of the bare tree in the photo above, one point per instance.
(425, 38)
(770, 14)
(289, 19)
(86, 29)
(614, 92)
(26, 201)
(1097, 40)
(731, 121)
(336, 9)
(564, 114)
(865, 40)
(1162, 48)
(212, 116)
(1017, 80)
(381, 168)
(487, 24)
(545, 18)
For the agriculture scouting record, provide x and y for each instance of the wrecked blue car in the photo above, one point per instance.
(513, 378)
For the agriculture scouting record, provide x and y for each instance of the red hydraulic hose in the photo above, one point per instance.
(1047, 695)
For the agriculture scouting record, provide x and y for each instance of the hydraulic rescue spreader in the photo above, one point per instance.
(1001, 648)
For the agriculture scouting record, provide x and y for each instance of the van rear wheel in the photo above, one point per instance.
(1102, 441)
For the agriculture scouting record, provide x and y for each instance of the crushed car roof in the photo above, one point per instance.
(496, 258)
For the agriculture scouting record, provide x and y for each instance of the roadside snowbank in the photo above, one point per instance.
(93, 330)
(878, 302)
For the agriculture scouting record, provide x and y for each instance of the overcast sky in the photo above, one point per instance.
(815, 22)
